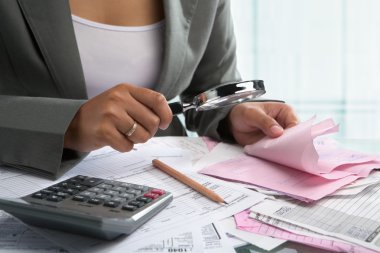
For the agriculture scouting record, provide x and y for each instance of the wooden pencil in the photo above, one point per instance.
(187, 181)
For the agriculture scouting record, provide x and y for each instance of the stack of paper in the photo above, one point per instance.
(184, 226)
(193, 223)
(246, 223)
(300, 163)
(353, 220)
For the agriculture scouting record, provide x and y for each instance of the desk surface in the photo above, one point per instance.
(365, 146)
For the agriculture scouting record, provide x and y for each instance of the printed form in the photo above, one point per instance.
(291, 232)
(188, 208)
(355, 219)
(17, 237)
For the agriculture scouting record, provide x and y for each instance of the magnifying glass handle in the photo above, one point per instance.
(176, 108)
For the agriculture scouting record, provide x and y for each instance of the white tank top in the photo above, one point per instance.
(112, 55)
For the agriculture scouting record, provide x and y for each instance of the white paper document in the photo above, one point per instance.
(17, 237)
(189, 209)
(355, 218)
(266, 243)
(202, 239)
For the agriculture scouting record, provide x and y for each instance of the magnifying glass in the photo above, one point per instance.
(224, 95)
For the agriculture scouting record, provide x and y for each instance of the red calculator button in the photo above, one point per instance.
(151, 195)
(158, 191)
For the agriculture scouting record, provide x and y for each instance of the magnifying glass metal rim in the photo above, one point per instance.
(223, 95)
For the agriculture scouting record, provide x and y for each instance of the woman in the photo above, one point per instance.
(53, 54)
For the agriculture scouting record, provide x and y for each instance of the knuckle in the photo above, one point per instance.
(144, 137)
(152, 125)
(287, 107)
(124, 147)
(116, 96)
(110, 111)
(121, 87)
(155, 121)
(159, 99)
(246, 112)
(147, 136)
(119, 93)
(105, 134)
(129, 146)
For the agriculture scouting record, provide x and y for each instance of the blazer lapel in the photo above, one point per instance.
(51, 25)
(178, 16)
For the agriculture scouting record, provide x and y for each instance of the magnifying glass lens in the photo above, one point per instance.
(224, 95)
(229, 100)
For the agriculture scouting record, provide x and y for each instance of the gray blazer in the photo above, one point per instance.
(42, 84)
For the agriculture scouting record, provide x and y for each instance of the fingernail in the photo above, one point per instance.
(276, 130)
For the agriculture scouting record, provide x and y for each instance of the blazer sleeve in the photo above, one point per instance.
(41, 88)
(217, 66)
(32, 133)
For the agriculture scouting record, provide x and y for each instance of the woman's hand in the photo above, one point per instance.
(249, 122)
(105, 119)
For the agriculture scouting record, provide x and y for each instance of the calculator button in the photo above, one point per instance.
(38, 195)
(117, 199)
(105, 186)
(136, 203)
(103, 196)
(62, 194)
(110, 192)
(54, 198)
(90, 182)
(143, 199)
(80, 177)
(74, 180)
(96, 189)
(87, 194)
(46, 192)
(151, 195)
(55, 188)
(158, 191)
(70, 191)
(132, 191)
(126, 196)
(129, 208)
(119, 189)
(111, 203)
(79, 187)
(140, 187)
(126, 185)
(64, 185)
(95, 201)
(79, 198)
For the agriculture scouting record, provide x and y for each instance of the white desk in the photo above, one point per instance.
(25, 240)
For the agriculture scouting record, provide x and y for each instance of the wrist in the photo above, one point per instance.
(224, 130)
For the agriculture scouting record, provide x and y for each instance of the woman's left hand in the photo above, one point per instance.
(251, 121)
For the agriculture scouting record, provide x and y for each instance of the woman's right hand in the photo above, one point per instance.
(105, 119)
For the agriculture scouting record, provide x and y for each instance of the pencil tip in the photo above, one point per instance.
(225, 202)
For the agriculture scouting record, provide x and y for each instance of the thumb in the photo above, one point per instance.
(268, 125)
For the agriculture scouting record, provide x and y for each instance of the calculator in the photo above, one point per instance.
(90, 206)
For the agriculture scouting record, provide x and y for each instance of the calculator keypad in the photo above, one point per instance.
(87, 192)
